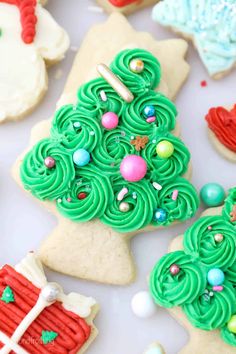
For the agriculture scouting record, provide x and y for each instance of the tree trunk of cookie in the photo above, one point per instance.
(91, 251)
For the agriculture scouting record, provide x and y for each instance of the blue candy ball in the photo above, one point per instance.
(215, 277)
(212, 194)
(149, 111)
(160, 215)
(81, 157)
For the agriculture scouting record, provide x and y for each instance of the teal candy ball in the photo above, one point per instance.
(215, 277)
(212, 194)
(81, 157)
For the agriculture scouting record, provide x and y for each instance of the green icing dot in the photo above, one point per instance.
(7, 295)
(48, 336)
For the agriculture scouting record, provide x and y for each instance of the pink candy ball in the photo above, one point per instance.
(110, 120)
(133, 168)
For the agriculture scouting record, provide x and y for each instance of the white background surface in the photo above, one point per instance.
(24, 223)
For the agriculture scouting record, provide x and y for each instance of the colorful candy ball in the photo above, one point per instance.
(165, 149)
(110, 120)
(49, 162)
(218, 238)
(232, 324)
(124, 207)
(160, 215)
(136, 66)
(81, 157)
(215, 277)
(143, 305)
(174, 269)
(149, 111)
(133, 168)
(212, 194)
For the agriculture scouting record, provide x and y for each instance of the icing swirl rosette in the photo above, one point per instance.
(101, 159)
(208, 265)
(43, 182)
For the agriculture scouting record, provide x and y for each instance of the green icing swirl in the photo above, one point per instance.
(208, 308)
(88, 136)
(91, 104)
(79, 127)
(142, 82)
(114, 146)
(99, 196)
(47, 183)
(213, 312)
(174, 290)
(228, 336)
(142, 200)
(205, 248)
(134, 119)
(184, 207)
(164, 170)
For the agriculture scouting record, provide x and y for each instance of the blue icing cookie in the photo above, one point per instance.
(210, 23)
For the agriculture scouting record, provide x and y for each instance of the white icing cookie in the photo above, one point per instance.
(23, 74)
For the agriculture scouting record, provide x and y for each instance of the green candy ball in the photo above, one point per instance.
(232, 324)
(165, 149)
(212, 194)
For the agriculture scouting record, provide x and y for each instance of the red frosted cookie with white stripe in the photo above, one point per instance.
(37, 317)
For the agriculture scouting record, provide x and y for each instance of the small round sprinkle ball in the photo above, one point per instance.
(124, 207)
(232, 324)
(212, 194)
(160, 215)
(149, 111)
(215, 277)
(81, 157)
(110, 120)
(49, 162)
(133, 168)
(165, 149)
(136, 66)
(143, 305)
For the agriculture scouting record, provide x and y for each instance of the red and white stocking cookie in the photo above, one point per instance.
(29, 39)
(37, 317)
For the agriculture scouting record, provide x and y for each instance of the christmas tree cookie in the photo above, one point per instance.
(29, 40)
(197, 280)
(222, 130)
(110, 164)
(125, 6)
(37, 317)
(210, 24)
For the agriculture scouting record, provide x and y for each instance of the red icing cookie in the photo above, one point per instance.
(27, 16)
(122, 3)
(55, 330)
(222, 123)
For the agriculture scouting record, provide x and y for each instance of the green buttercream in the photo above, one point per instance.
(205, 307)
(79, 126)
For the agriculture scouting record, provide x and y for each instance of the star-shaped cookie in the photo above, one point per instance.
(210, 24)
